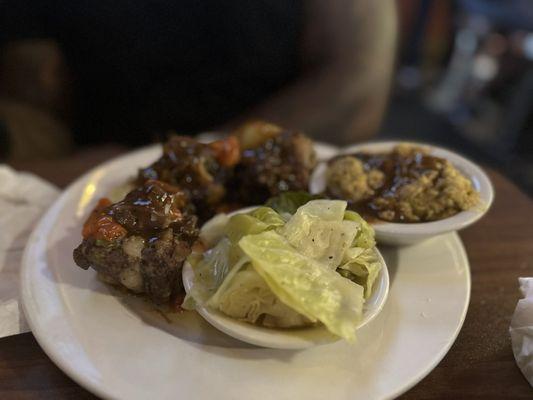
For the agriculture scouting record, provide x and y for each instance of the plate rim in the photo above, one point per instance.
(440, 356)
(42, 339)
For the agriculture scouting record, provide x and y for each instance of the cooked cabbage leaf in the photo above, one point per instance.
(363, 265)
(319, 231)
(256, 221)
(319, 266)
(365, 233)
(289, 202)
(268, 216)
(304, 284)
(248, 297)
(210, 270)
(213, 230)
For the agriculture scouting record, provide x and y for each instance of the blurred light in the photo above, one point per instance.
(485, 68)
(89, 191)
(528, 46)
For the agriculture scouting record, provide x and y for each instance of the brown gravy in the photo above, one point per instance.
(400, 171)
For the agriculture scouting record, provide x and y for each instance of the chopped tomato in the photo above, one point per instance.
(88, 227)
(102, 203)
(227, 151)
(102, 226)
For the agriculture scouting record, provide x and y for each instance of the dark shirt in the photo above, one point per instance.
(144, 67)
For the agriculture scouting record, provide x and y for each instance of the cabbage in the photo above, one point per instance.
(240, 264)
(289, 202)
(319, 231)
(268, 216)
(247, 297)
(360, 262)
(365, 234)
(319, 266)
(213, 230)
(257, 221)
(304, 284)
(226, 258)
(363, 267)
(210, 270)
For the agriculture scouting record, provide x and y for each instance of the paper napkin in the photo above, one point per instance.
(23, 200)
(521, 330)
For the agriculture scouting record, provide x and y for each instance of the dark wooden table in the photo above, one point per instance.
(480, 365)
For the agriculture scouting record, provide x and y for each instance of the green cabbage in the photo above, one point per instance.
(210, 270)
(248, 297)
(319, 266)
(256, 221)
(365, 234)
(289, 202)
(268, 216)
(363, 266)
(304, 284)
(319, 231)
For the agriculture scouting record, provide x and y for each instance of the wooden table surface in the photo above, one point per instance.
(480, 365)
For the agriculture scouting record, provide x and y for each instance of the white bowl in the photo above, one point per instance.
(411, 233)
(297, 338)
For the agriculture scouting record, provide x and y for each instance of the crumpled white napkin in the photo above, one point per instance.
(521, 329)
(23, 199)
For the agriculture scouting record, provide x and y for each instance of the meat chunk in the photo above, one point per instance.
(200, 170)
(141, 242)
(282, 162)
(253, 134)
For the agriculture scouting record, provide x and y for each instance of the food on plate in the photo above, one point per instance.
(200, 170)
(283, 270)
(289, 202)
(258, 161)
(407, 184)
(141, 242)
(253, 134)
(273, 161)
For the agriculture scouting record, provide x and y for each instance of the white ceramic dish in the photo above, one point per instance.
(282, 338)
(119, 348)
(406, 234)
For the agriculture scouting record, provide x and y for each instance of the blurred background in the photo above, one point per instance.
(78, 78)
(465, 79)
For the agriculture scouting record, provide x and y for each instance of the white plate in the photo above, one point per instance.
(280, 338)
(117, 347)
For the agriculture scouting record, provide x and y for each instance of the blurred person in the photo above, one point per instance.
(127, 72)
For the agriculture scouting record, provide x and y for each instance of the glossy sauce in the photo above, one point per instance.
(399, 170)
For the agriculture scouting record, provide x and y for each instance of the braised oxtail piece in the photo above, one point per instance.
(199, 169)
(141, 242)
(273, 161)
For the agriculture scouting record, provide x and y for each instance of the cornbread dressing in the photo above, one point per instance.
(405, 185)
